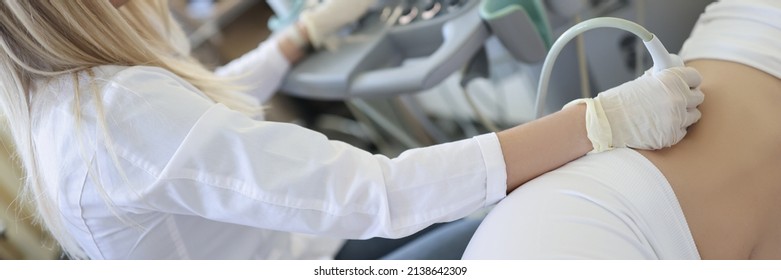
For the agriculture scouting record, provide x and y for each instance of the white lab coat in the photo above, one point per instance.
(200, 181)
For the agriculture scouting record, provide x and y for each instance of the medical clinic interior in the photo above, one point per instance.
(390, 129)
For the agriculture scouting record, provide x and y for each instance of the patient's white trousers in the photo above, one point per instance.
(611, 205)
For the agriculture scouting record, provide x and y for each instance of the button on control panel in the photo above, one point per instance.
(405, 12)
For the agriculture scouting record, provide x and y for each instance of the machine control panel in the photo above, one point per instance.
(401, 46)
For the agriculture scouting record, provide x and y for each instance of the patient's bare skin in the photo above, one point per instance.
(727, 172)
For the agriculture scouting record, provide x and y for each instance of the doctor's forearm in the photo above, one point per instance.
(542, 145)
(291, 50)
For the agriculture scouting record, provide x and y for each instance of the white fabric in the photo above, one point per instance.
(611, 205)
(261, 71)
(201, 181)
(742, 31)
(651, 112)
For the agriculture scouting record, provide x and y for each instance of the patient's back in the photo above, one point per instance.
(726, 173)
(714, 195)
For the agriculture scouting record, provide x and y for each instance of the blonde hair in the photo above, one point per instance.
(42, 39)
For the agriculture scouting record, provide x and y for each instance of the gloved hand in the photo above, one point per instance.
(324, 19)
(651, 112)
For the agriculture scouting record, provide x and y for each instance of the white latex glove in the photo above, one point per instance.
(651, 112)
(327, 17)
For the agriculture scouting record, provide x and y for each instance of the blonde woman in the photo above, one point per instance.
(132, 150)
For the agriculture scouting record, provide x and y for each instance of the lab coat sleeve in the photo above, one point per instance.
(228, 167)
(259, 72)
